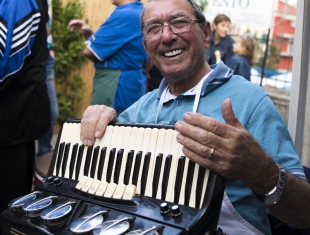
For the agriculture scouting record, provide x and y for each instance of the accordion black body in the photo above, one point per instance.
(171, 194)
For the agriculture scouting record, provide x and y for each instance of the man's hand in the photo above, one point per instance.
(94, 122)
(227, 149)
(81, 27)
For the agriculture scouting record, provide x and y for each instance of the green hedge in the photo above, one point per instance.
(69, 58)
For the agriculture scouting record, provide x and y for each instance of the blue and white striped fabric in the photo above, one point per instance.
(18, 27)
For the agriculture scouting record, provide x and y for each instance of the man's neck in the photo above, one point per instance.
(187, 83)
(123, 2)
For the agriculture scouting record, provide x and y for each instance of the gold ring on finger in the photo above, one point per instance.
(211, 153)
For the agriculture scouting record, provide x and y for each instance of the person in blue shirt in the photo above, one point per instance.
(237, 133)
(243, 59)
(219, 46)
(119, 57)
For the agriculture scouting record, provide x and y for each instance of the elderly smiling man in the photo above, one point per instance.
(225, 123)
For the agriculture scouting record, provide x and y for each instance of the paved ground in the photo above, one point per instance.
(54, 139)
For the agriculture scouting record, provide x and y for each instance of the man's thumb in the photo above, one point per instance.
(229, 115)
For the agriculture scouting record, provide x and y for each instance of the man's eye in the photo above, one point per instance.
(179, 23)
(155, 28)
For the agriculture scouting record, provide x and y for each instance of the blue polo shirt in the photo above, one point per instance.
(117, 45)
(256, 112)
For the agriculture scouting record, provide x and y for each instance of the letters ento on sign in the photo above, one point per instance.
(242, 4)
(245, 13)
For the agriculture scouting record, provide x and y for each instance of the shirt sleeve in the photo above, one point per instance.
(274, 137)
(111, 36)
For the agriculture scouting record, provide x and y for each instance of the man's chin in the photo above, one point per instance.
(175, 74)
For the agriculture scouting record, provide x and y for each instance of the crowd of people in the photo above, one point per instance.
(188, 74)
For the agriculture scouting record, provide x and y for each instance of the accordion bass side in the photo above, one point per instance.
(134, 178)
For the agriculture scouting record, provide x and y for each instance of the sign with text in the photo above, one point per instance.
(245, 12)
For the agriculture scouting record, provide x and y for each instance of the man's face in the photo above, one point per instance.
(176, 55)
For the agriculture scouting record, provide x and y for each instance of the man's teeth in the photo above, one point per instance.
(173, 53)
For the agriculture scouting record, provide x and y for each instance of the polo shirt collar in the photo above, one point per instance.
(220, 74)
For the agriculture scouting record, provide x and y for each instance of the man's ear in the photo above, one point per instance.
(144, 44)
(207, 32)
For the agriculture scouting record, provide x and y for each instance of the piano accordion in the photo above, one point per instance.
(135, 173)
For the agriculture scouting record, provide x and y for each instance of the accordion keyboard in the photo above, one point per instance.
(129, 161)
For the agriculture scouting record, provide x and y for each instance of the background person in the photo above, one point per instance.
(220, 42)
(44, 143)
(118, 55)
(237, 133)
(25, 106)
(243, 59)
(154, 76)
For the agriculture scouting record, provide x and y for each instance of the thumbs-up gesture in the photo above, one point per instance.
(225, 148)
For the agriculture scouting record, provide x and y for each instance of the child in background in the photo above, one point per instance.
(243, 59)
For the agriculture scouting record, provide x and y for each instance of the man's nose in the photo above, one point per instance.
(164, 28)
(167, 32)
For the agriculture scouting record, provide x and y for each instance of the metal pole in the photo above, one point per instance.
(299, 112)
(265, 58)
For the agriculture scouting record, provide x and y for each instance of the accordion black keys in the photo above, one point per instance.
(134, 180)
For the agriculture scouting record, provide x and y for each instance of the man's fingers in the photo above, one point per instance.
(197, 139)
(203, 149)
(72, 23)
(77, 25)
(94, 122)
(88, 125)
(229, 115)
(107, 117)
(206, 123)
(213, 125)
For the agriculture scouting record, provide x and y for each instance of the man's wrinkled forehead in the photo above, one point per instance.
(165, 10)
(166, 18)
